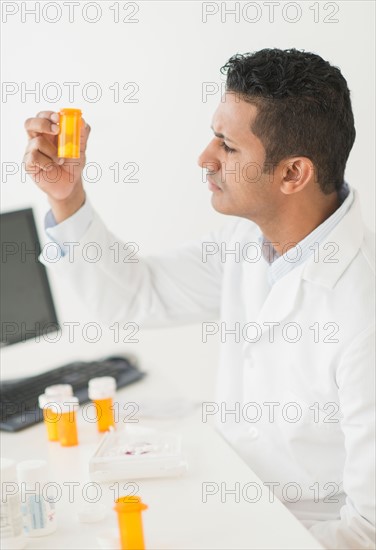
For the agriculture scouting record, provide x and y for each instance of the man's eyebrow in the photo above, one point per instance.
(218, 135)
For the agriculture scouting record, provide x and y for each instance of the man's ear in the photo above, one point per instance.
(296, 174)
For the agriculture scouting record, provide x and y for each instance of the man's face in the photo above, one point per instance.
(234, 160)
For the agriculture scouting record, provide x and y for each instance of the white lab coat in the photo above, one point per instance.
(319, 450)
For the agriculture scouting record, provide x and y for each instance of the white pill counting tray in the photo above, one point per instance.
(137, 453)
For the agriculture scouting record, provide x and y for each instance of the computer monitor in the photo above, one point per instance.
(26, 305)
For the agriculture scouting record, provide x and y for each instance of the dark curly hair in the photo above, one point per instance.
(303, 109)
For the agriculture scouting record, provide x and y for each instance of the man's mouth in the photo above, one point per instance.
(212, 185)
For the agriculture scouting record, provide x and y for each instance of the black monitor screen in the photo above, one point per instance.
(26, 305)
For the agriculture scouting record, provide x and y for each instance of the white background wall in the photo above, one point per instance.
(170, 53)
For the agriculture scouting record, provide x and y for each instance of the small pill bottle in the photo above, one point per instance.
(38, 509)
(101, 392)
(51, 416)
(11, 527)
(130, 522)
(67, 424)
(51, 413)
(68, 140)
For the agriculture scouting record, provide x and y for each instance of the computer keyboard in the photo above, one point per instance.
(19, 398)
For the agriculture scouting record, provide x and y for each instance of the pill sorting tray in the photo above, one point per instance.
(136, 453)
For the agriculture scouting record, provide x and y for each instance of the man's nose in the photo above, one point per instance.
(208, 162)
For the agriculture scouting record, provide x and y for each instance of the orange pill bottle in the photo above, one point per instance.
(51, 412)
(68, 140)
(130, 522)
(51, 416)
(101, 392)
(67, 424)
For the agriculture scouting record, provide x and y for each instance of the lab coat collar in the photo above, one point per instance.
(323, 267)
(283, 296)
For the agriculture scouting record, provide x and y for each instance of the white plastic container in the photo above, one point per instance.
(136, 453)
(103, 387)
(38, 510)
(59, 390)
(11, 527)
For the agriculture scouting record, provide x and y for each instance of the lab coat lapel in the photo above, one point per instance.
(281, 299)
(266, 303)
(255, 287)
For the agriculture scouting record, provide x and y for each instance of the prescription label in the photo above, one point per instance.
(10, 517)
(38, 513)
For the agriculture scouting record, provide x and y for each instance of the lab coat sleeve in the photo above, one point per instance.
(356, 381)
(118, 285)
(70, 229)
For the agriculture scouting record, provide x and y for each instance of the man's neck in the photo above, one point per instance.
(298, 221)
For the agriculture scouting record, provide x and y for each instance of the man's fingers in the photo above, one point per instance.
(85, 131)
(46, 114)
(36, 159)
(41, 125)
(40, 143)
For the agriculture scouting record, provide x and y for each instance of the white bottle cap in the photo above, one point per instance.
(59, 390)
(102, 388)
(32, 471)
(47, 402)
(67, 404)
(8, 470)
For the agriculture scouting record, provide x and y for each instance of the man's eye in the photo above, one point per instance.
(226, 147)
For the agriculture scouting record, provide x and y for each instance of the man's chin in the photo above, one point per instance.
(221, 205)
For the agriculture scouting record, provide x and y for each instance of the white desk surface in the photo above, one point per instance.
(176, 518)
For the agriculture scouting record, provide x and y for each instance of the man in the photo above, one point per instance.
(299, 293)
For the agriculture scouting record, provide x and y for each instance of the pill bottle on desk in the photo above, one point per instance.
(11, 526)
(51, 413)
(130, 522)
(38, 509)
(67, 424)
(101, 392)
(50, 416)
